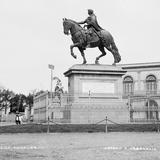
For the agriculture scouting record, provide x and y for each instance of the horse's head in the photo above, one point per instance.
(70, 25)
(66, 26)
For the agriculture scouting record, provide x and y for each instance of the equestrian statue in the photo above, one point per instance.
(90, 36)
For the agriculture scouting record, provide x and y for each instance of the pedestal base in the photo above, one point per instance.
(96, 91)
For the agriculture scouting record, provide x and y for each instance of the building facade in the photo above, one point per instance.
(140, 92)
(40, 106)
(47, 107)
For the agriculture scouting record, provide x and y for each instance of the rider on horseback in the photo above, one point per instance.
(83, 39)
(93, 29)
(91, 21)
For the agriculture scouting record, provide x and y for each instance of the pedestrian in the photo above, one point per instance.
(17, 120)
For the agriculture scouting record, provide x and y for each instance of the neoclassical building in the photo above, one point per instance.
(137, 98)
(141, 90)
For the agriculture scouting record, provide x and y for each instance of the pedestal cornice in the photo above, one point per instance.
(95, 69)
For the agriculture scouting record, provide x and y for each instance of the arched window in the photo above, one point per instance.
(151, 84)
(152, 110)
(128, 88)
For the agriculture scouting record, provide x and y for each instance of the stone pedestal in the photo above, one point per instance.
(95, 91)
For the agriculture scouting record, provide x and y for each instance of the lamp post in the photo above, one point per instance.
(51, 67)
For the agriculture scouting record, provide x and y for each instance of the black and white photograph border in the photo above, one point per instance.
(79, 79)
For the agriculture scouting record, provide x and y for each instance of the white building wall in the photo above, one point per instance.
(139, 77)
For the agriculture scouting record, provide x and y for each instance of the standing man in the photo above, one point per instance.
(17, 120)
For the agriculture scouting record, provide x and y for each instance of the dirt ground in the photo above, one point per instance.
(80, 146)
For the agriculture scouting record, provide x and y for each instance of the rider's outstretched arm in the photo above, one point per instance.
(82, 22)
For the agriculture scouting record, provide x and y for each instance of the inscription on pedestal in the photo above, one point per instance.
(98, 87)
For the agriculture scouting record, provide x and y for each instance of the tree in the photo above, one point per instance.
(5, 98)
(18, 103)
(29, 100)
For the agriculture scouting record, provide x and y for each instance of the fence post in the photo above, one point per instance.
(48, 125)
(106, 125)
(158, 126)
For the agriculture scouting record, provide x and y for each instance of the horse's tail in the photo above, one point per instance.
(115, 52)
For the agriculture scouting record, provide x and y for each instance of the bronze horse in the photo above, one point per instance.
(80, 39)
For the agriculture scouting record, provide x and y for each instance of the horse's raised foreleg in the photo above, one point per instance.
(101, 48)
(71, 49)
(83, 55)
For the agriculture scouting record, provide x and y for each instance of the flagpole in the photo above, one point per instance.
(51, 67)
(51, 85)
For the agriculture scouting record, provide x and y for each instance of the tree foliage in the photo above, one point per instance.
(16, 102)
(5, 98)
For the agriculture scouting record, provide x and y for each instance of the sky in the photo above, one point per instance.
(31, 37)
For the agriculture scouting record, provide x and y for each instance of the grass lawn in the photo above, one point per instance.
(81, 146)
